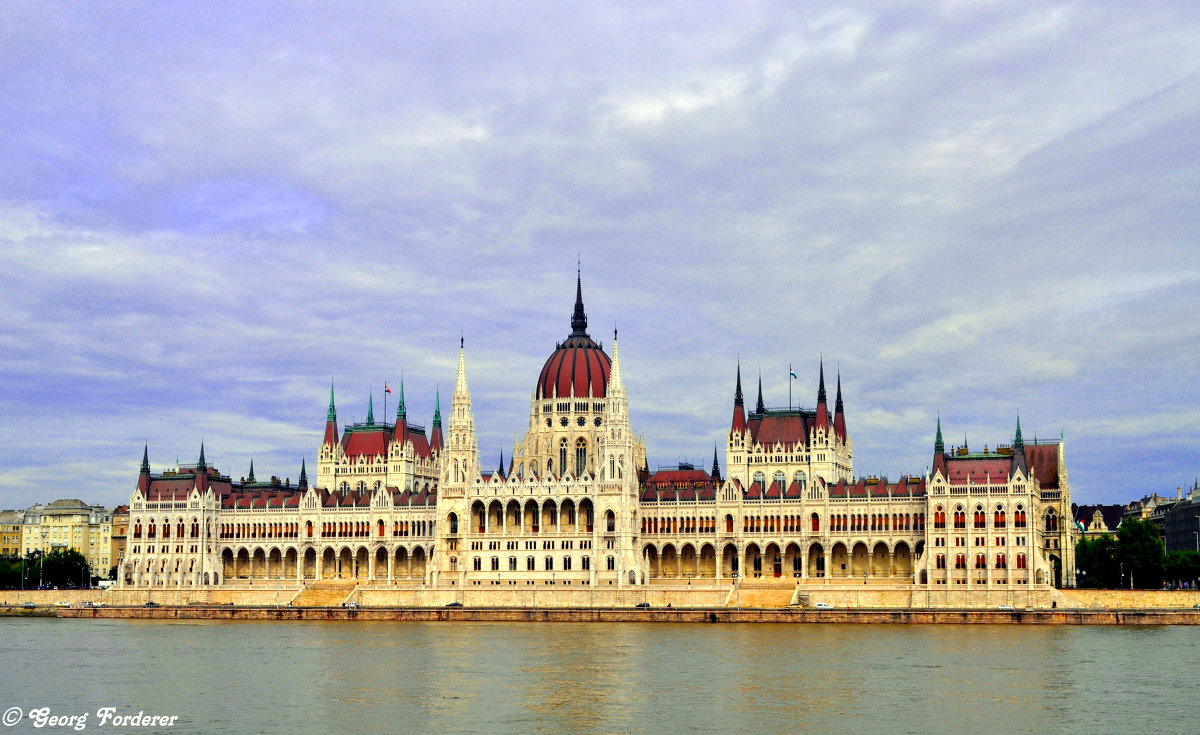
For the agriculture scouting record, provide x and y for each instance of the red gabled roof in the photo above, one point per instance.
(789, 429)
(793, 490)
(662, 477)
(331, 435)
(370, 443)
(1043, 463)
(774, 491)
(977, 470)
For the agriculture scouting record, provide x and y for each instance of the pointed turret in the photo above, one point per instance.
(331, 432)
(716, 470)
(462, 453)
(759, 407)
(371, 409)
(939, 451)
(144, 473)
(1019, 460)
(435, 434)
(500, 467)
(578, 318)
(250, 477)
(201, 465)
(460, 382)
(615, 383)
(400, 432)
(303, 482)
(822, 403)
(839, 414)
(738, 424)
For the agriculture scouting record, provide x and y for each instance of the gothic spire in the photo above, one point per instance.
(202, 465)
(737, 394)
(821, 385)
(500, 469)
(837, 406)
(716, 470)
(332, 415)
(615, 383)
(460, 383)
(303, 482)
(579, 318)
(400, 410)
(371, 409)
(1018, 442)
(437, 409)
(250, 477)
(145, 459)
(759, 407)
(939, 447)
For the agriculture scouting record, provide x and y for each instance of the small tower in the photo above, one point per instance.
(331, 432)
(839, 414)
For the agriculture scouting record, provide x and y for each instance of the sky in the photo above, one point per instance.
(973, 210)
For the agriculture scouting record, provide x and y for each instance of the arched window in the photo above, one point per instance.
(799, 479)
(566, 564)
(580, 456)
(453, 524)
(761, 480)
(816, 523)
(562, 455)
(779, 478)
(981, 561)
(308, 528)
(549, 563)
(477, 564)
(381, 529)
(729, 524)
(610, 521)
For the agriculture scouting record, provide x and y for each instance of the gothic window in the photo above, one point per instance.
(610, 521)
(580, 456)
(549, 563)
(477, 564)
(612, 466)
(495, 563)
(779, 478)
(816, 523)
(567, 564)
(562, 455)
(761, 480)
(798, 478)
(453, 524)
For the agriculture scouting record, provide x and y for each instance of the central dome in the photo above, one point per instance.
(577, 367)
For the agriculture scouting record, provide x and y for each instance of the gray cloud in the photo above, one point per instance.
(973, 210)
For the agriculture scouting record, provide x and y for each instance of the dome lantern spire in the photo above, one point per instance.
(578, 318)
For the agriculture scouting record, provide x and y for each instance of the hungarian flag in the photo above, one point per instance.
(793, 374)
(386, 389)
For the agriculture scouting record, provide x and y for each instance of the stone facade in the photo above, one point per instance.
(578, 509)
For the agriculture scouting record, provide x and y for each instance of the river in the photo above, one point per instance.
(302, 677)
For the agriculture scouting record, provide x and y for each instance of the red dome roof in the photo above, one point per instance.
(578, 367)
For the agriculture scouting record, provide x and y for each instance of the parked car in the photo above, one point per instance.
(27, 603)
(353, 605)
(643, 605)
(455, 605)
(823, 606)
(62, 603)
(152, 603)
(1006, 608)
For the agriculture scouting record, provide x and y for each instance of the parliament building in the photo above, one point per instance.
(396, 505)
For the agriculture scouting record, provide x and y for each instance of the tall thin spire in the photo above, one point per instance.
(332, 415)
(737, 394)
(578, 318)
(1018, 441)
(303, 482)
(437, 409)
(821, 385)
(500, 469)
(202, 465)
(716, 470)
(250, 477)
(371, 409)
(759, 407)
(145, 459)
(460, 383)
(837, 405)
(401, 412)
(939, 447)
(615, 382)
(839, 415)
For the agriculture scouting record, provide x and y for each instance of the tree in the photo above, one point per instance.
(1140, 549)
(1096, 562)
(1182, 566)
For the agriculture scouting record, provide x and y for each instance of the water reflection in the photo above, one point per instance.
(223, 677)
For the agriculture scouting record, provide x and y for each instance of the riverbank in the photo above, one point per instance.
(638, 615)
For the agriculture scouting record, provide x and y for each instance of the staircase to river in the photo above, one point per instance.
(324, 593)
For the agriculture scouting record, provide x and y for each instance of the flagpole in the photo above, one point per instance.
(789, 386)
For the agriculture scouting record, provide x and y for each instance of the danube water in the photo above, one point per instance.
(334, 677)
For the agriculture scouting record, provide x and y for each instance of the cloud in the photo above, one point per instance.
(972, 209)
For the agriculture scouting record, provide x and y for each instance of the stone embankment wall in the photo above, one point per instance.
(652, 615)
(841, 597)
